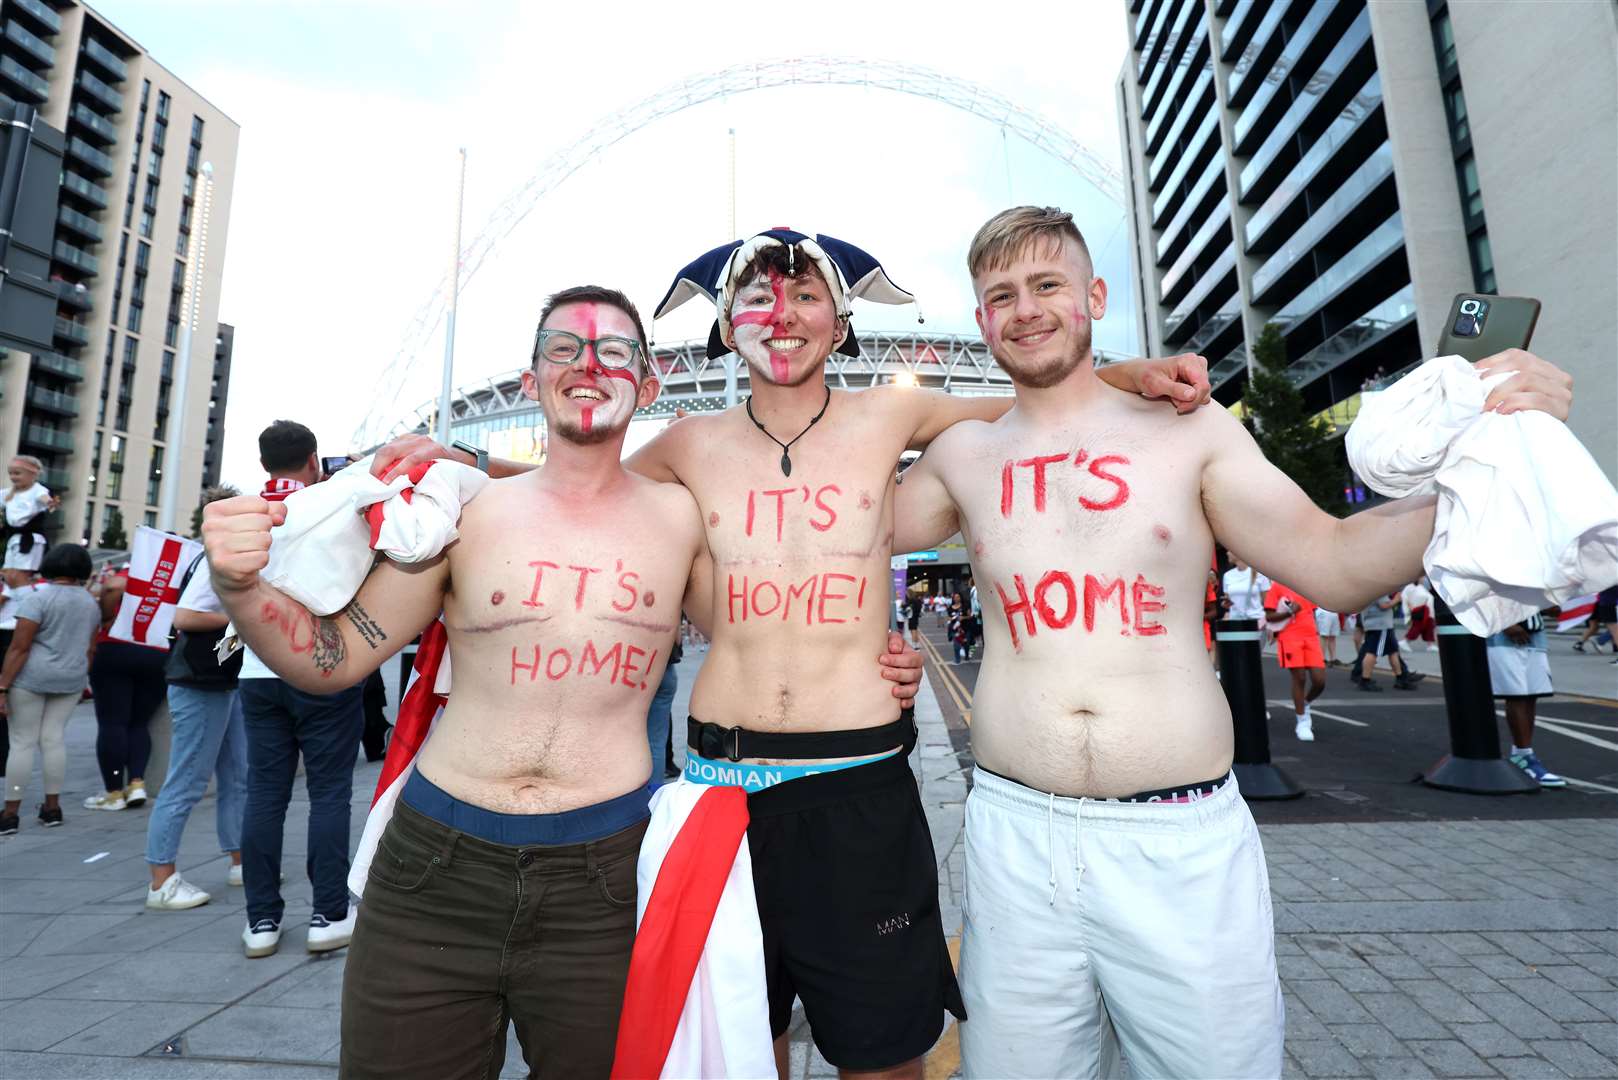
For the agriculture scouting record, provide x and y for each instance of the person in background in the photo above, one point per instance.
(913, 605)
(209, 740)
(974, 618)
(1290, 616)
(18, 583)
(43, 676)
(1211, 613)
(1520, 671)
(1244, 588)
(956, 629)
(1327, 624)
(1605, 617)
(26, 501)
(659, 716)
(1418, 602)
(1381, 640)
(129, 685)
(374, 738)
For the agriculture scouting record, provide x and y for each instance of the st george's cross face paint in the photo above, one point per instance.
(586, 402)
(784, 327)
(1035, 313)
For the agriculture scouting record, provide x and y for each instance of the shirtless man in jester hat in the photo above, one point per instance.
(795, 493)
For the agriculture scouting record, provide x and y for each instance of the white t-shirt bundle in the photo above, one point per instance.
(1526, 518)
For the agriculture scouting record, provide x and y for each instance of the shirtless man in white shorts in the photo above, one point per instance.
(1090, 517)
(798, 518)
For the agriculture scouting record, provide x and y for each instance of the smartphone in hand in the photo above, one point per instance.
(1480, 326)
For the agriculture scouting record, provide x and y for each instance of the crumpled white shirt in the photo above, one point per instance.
(1525, 518)
(321, 554)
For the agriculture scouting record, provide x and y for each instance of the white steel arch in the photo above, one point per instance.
(910, 79)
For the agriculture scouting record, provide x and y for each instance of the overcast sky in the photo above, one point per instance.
(352, 110)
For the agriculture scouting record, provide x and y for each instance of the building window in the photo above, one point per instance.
(1466, 176)
(196, 129)
(151, 518)
(1455, 107)
(146, 224)
(162, 106)
(1444, 42)
(106, 517)
(115, 485)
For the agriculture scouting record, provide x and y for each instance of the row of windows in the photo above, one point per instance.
(1466, 167)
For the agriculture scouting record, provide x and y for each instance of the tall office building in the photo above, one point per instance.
(213, 444)
(139, 216)
(1343, 169)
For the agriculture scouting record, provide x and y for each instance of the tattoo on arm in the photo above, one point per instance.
(329, 651)
(365, 625)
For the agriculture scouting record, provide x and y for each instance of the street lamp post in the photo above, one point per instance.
(197, 257)
(447, 392)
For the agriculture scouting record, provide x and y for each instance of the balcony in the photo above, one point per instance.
(94, 161)
(1170, 122)
(82, 261)
(73, 331)
(56, 479)
(1183, 270)
(45, 19)
(1152, 46)
(100, 91)
(53, 401)
(1195, 57)
(94, 194)
(1233, 37)
(1171, 238)
(74, 296)
(1180, 321)
(93, 124)
(28, 43)
(1366, 194)
(1184, 134)
(63, 367)
(1386, 240)
(81, 225)
(28, 87)
(1203, 145)
(1173, 55)
(1351, 65)
(1223, 374)
(1254, 66)
(105, 59)
(51, 439)
(1363, 333)
(1294, 57)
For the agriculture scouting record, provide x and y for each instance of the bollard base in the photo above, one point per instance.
(1265, 781)
(1478, 776)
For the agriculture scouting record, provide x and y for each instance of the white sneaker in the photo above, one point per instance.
(175, 894)
(261, 938)
(135, 793)
(235, 875)
(325, 936)
(107, 800)
(1306, 730)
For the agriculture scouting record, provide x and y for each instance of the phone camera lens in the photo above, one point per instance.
(1470, 307)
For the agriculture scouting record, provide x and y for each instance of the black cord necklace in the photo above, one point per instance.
(786, 447)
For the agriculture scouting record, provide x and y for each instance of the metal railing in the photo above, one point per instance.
(29, 43)
(78, 185)
(79, 260)
(62, 366)
(22, 77)
(83, 224)
(72, 330)
(89, 155)
(110, 63)
(94, 122)
(53, 400)
(99, 90)
(47, 438)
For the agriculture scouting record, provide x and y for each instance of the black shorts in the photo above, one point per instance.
(1606, 614)
(847, 886)
(912, 623)
(1380, 643)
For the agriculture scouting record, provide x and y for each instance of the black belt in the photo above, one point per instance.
(715, 742)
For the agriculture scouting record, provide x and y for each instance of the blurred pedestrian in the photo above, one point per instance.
(1604, 617)
(1327, 624)
(209, 740)
(1520, 671)
(913, 606)
(17, 584)
(129, 685)
(659, 720)
(1381, 640)
(1291, 618)
(956, 630)
(1418, 602)
(374, 699)
(1245, 587)
(27, 501)
(974, 618)
(43, 677)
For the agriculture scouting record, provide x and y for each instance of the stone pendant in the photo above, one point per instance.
(786, 464)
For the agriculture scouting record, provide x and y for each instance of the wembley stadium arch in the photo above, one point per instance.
(885, 350)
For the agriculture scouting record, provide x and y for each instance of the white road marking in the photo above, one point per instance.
(1551, 723)
(1317, 712)
(98, 856)
(1591, 784)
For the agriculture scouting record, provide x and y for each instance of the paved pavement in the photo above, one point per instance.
(1408, 947)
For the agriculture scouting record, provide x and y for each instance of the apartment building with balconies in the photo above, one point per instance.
(135, 205)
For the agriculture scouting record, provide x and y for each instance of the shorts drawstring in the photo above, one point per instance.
(1078, 856)
(1050, 844)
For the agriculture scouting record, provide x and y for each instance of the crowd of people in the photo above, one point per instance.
(1110, 858)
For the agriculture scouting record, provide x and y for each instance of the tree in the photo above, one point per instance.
(112, 533)
(1295, 442)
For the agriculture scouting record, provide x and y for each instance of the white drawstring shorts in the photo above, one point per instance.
(1094, 928)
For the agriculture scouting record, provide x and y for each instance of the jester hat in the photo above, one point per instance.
(850, 271)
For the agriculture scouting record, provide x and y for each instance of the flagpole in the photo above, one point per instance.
(197, 251)
(448, 391)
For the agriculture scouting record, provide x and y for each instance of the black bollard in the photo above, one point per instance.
(1241, 673)
(1474, 763)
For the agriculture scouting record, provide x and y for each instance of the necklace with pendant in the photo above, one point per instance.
(786, 447)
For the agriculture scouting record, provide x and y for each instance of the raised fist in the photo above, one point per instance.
(236, 535)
